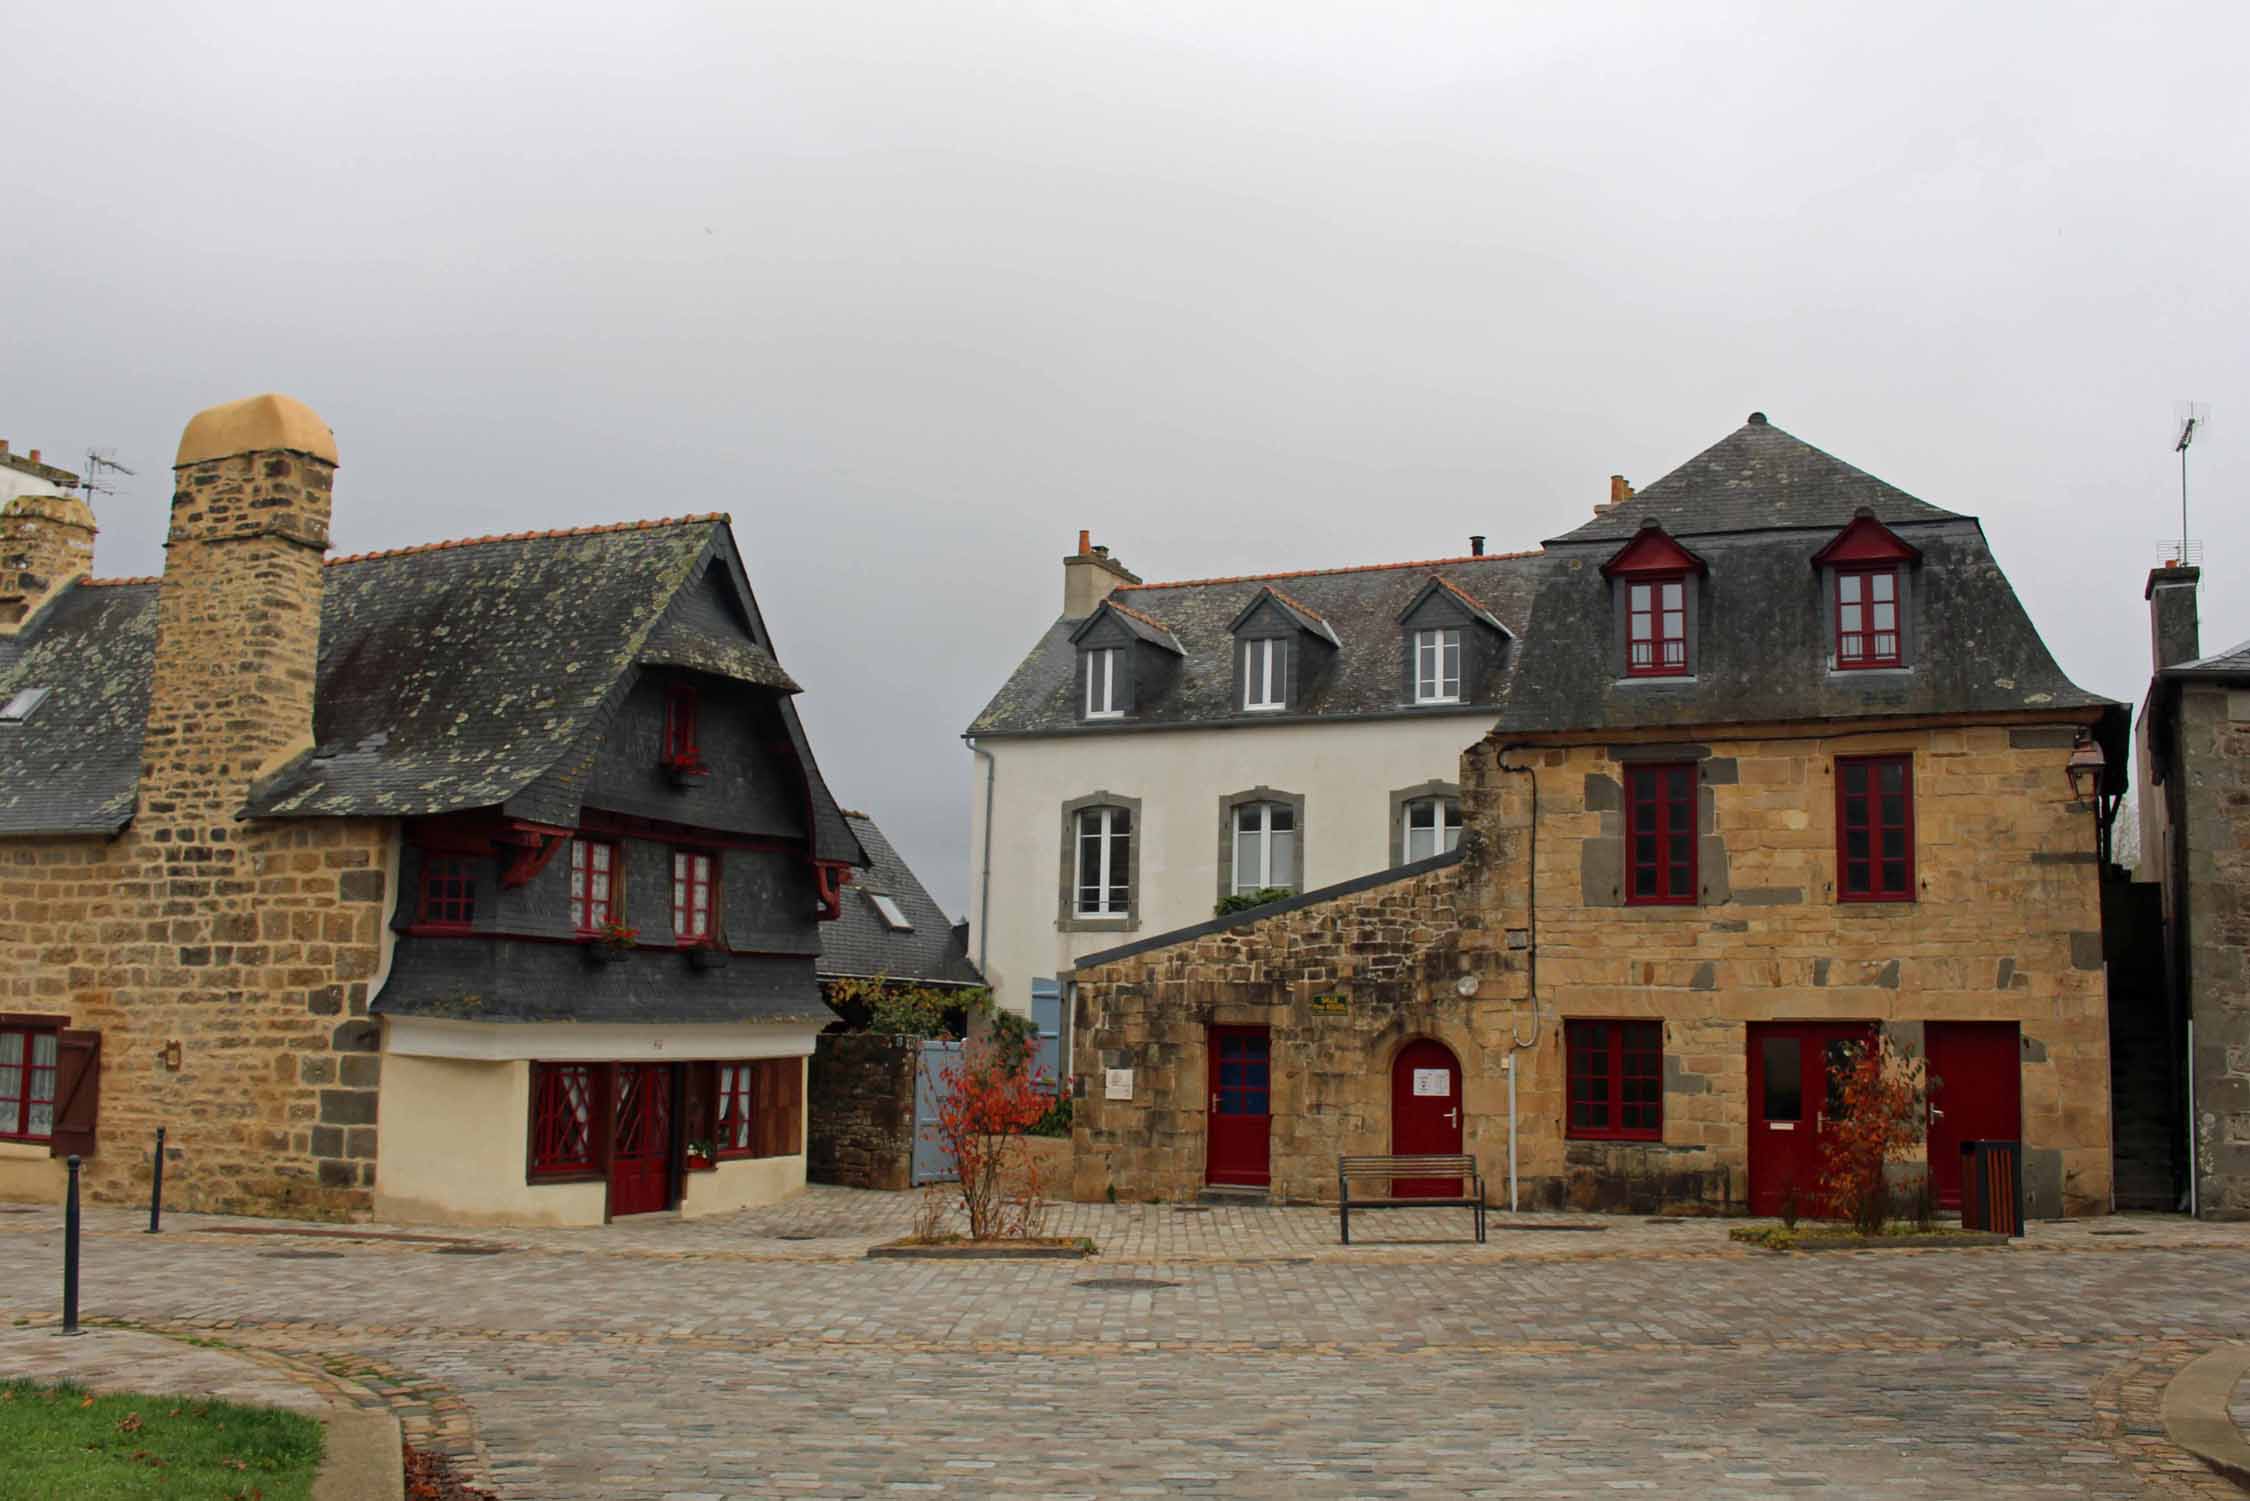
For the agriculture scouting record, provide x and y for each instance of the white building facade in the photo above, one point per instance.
(1166, 747)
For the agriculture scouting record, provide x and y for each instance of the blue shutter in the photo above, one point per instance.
(1046, 1020)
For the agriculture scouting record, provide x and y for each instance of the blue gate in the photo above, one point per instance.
(933, 1161)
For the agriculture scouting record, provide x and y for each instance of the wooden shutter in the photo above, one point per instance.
(78, 1092)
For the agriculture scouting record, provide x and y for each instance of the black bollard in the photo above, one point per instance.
(70, 1251)
(156, 1187)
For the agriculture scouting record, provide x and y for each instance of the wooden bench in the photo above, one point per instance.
(1367, 1170)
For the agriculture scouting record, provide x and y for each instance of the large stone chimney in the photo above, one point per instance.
(46, 541)
(238, 613)
(2172, 630)
(1089, 575)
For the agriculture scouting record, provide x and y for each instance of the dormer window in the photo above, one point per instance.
(1105, 667)
(1437, 666)
(1656, 627)
(681, 711)
(1867, 633)
(1866, 574)
(1265, 674)
(1652, 583)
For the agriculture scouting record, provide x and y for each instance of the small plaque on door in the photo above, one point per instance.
(1437, 1081)
(1118, 1083)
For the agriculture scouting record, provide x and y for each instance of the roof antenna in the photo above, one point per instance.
(2190, 418)
(98, 459)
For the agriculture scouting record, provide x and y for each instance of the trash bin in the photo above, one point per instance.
(1992, 1186)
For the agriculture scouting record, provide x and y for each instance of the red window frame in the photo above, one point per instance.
(694, 873)
(593, 884)
(569, 1120)
(449, 890)
(1863, 809)
(20, 1083)
(1616, 1074)
(1859, 641)
(1654, 621)
(1660, 837)
(682, 709)
(760, 1108)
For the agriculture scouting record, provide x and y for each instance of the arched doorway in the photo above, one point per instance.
(1426, 1113)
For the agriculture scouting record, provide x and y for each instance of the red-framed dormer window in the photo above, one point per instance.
(593, 884)
(681, 708)
(1656, 627)
(694, 890)
(449, 891)
(1867, 633)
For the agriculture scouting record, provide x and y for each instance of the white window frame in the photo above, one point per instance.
(887, 908)
(1444, 827)
(1432, 648)
(1103, 824)
(1102, 701)
(1263, 833)
(20, 705)
(1265, 674)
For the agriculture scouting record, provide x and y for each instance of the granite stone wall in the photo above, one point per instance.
(861, 1101)
(2213, 768)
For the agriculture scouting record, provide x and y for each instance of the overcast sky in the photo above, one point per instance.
(917, 290)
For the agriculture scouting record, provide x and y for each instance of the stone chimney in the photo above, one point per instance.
(2172, 629)
(46, 541)
(1088, 576)
(238, 612)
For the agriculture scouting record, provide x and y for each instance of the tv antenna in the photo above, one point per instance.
(98, 459)
(2190, 418)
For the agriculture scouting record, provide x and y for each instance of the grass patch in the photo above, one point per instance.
(1845, 1238)
(61, 1441)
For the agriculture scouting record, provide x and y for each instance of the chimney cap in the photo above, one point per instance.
(2171, 574)
(1757, 419)
(1476, 544)
(255, 424)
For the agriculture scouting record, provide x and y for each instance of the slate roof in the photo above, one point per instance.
(451, 676)
(1360, 605)
(2234, 661)
(74, 766)
(1754, 479)
(860, 943)
(552, 982)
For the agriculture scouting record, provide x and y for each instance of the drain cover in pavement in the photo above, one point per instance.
(470, 1250)
(796, 1237)
(1193, 1209)
(2113, 1232)
(303, 1255)
(1123, 1284)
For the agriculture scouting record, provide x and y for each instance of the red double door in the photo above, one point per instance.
(640, 1154)
(1795, 1074)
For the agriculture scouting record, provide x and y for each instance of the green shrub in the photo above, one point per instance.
(1243, 901)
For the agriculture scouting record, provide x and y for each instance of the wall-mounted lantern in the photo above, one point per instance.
(169, 1054)
(2085, 768)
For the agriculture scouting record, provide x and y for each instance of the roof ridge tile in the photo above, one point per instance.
(1312, 573)
(94, 583)
(704, 519)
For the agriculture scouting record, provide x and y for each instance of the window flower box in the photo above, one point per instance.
(702, 1156)
(610, 943)
(684, 771)
(708, 956)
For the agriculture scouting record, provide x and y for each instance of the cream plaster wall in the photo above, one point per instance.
(1345, 772)
(452, 1148)
(31, 1172)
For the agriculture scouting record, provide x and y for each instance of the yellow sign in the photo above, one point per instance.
(1330, 1005)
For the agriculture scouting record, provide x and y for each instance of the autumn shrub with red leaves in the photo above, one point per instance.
(1881, 1094)
(991, 1096)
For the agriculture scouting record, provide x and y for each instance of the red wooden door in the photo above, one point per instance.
(1976, 1094)
(1795, 1070)
(1241, 1106)
(640, 1157)
(1425, 1113)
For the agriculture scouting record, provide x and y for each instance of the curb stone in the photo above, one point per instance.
(2196, 1416)
(364, 1459)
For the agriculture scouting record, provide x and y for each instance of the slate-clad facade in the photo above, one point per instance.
(1773, 765)
(477, 882)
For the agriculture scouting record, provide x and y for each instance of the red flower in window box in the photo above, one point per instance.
(611, 942)
(702, 1156)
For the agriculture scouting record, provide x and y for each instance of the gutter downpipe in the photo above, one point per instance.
(984, 858)
(1531, 958)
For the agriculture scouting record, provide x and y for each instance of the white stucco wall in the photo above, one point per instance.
(451, 1148)
(29, 1170)
(1345, 772)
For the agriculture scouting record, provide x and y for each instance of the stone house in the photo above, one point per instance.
(476, 882)
(1775, 764)
(2193, 745)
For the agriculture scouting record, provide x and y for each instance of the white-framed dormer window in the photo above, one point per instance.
(1429, 826)
(1437, 666)
(1265, 683)
(1105, 698)
(1265, 846)
(1105, 862)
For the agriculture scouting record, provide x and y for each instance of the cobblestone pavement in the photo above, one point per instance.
(713, 1360)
